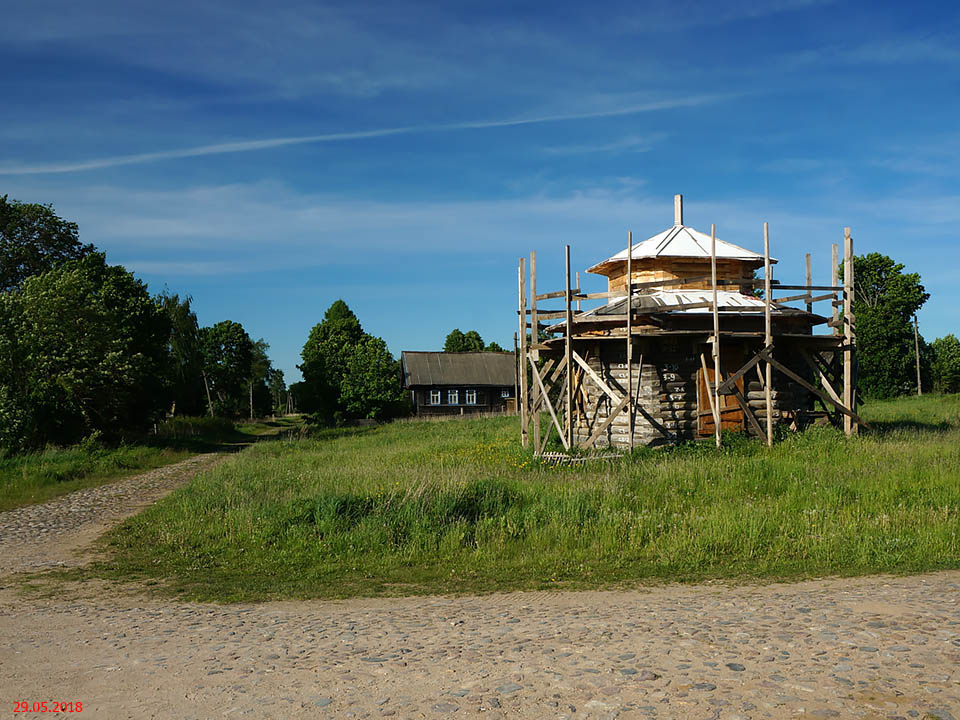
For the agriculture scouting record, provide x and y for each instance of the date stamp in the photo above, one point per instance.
(43, 706)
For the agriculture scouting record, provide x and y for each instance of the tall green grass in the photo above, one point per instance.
(435, 507)
(38, 477)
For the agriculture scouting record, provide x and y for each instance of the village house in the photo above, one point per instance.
(460, 383)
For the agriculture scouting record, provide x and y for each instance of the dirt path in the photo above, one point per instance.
(876, 647)
(51, 534)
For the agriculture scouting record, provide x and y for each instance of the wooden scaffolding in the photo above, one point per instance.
(558, 385)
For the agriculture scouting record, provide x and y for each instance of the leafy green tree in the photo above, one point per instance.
(458, 341)
(885, 301)
(455, 341)
(227, 353)
(493, 346)
(33, 240)
(371, 388)
(186, 359)
(946, 364)
(85, 348)
(278, 390)
(259, 370)
(325, 356)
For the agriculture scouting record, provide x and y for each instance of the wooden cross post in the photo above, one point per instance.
(569, 354)
(809, 283)
(715, 405)
(524, 395)
(535, 353)
(849, 334)
(833, 283)
(767, 333)
(630, 415)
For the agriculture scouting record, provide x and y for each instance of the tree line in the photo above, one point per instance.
(86, 350)
(886, 302)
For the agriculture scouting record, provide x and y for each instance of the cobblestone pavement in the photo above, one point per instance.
(49, 534)
(876, 647)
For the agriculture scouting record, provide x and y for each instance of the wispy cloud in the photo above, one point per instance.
(630, 143)
(268, 143)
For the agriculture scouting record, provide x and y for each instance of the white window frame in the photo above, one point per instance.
(453, 397)
(434, 397)
(471, 397)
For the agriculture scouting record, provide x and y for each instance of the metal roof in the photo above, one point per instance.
(463, 368)
(681, 241)
(727, 300)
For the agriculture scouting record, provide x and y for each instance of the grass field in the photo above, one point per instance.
(39, 477)
(458, 507)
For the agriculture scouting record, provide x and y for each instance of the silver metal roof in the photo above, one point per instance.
(465, 368)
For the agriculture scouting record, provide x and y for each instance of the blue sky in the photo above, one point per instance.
(268, 159)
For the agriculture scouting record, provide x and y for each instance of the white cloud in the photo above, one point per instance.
(268, 143)
(630, 143)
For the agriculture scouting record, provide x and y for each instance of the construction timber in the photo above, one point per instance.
(686, 343)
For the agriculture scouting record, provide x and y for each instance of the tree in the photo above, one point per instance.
(370, 388)
(85, 348)
(946, 364)
(278, 391)
(458, 341)
(227, 353)
(455, 341)
(325, 357)
(885, 301)
(259, 370)
(33, 240)
(186, 361)
(493, 346)
(347, 373)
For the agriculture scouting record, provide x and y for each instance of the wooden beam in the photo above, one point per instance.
(522, 312)
(767, 334)
(558, 294)
(747, 412)
(717, 430)
(546, 399)
(546, 435)
(804, 296)
(818, 371)
(605, 424)
(848, 332)
(824, 288)
(833, 281)
(608, 391)
(791, 374)
(726, 384)
(710, 393)
(629, 351)
(809, 284)
(568, 349)
(534, 339)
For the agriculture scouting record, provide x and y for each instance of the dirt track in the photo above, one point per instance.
(870, 647)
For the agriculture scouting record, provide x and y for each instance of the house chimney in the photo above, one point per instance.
(678, 209)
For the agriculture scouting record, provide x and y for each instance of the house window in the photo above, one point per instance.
(434, 397)
(453, 397)
(505, 393)
(471, 397)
